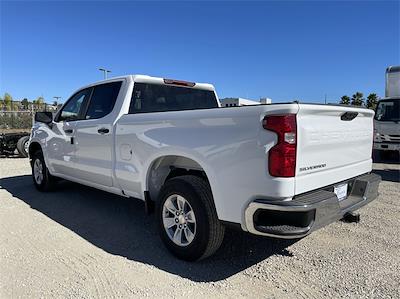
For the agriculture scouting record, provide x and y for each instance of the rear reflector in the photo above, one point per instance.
(179, 82)
(282, 156)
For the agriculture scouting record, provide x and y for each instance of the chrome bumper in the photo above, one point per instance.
(309, 212)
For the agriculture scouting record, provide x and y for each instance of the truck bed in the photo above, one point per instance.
(232, 147)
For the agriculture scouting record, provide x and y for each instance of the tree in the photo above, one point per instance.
(345, 100)
(55, 103)
(25, 103)
(7, 101)
(40, 101)
(357, 99)
(372, 100)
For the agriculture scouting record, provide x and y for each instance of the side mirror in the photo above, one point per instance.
(44, 117)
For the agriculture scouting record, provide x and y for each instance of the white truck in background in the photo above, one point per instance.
(387, 116)
(280, 170)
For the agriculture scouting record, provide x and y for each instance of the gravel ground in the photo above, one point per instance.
(80, 242)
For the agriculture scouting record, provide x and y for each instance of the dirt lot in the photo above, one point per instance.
(80, 242)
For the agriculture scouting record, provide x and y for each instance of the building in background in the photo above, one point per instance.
(265, 101)
(233, 102)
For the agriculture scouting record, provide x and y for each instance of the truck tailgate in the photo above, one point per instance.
(334, 143)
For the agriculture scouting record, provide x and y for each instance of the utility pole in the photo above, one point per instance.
(33, 115)
(57, 98)
(325, 98)
(105, 72)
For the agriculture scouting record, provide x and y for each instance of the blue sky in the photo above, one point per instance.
(282, 50)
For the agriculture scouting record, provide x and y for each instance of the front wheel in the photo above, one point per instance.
(42, 179)
(188, 222)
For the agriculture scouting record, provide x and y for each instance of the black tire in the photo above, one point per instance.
(209, 231)
(21, 146)
(47, 182)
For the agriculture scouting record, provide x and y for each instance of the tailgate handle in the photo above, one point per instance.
(347, 116)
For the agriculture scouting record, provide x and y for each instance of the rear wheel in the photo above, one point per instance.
(187, 220)
(42, 179)
(23, 146)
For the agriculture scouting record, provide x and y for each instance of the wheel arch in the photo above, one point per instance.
(168, 166)
(33, 147)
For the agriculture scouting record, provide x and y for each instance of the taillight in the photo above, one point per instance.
(282, 156)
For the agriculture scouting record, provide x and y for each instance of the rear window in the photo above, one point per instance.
(158, 98)
(103, 100)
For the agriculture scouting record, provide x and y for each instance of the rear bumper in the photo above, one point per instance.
(309, 212)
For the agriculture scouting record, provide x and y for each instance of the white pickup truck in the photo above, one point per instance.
(280, 170)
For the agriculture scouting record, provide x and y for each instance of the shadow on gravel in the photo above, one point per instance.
(391, 175)
(121, 227)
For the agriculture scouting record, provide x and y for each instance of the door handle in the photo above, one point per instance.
(103, 131)
(68, 131)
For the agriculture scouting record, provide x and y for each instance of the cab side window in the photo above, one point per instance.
(103, 100)
(74, 106)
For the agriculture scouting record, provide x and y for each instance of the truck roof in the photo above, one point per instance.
(156, 80)
(393, 69)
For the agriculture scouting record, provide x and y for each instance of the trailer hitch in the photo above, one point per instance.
(351, 217)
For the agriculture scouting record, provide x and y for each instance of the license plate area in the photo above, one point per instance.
(341, 191)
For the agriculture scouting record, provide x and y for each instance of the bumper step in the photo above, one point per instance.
(285, 230)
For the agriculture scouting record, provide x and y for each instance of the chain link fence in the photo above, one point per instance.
(18, 117)
(16, 120)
